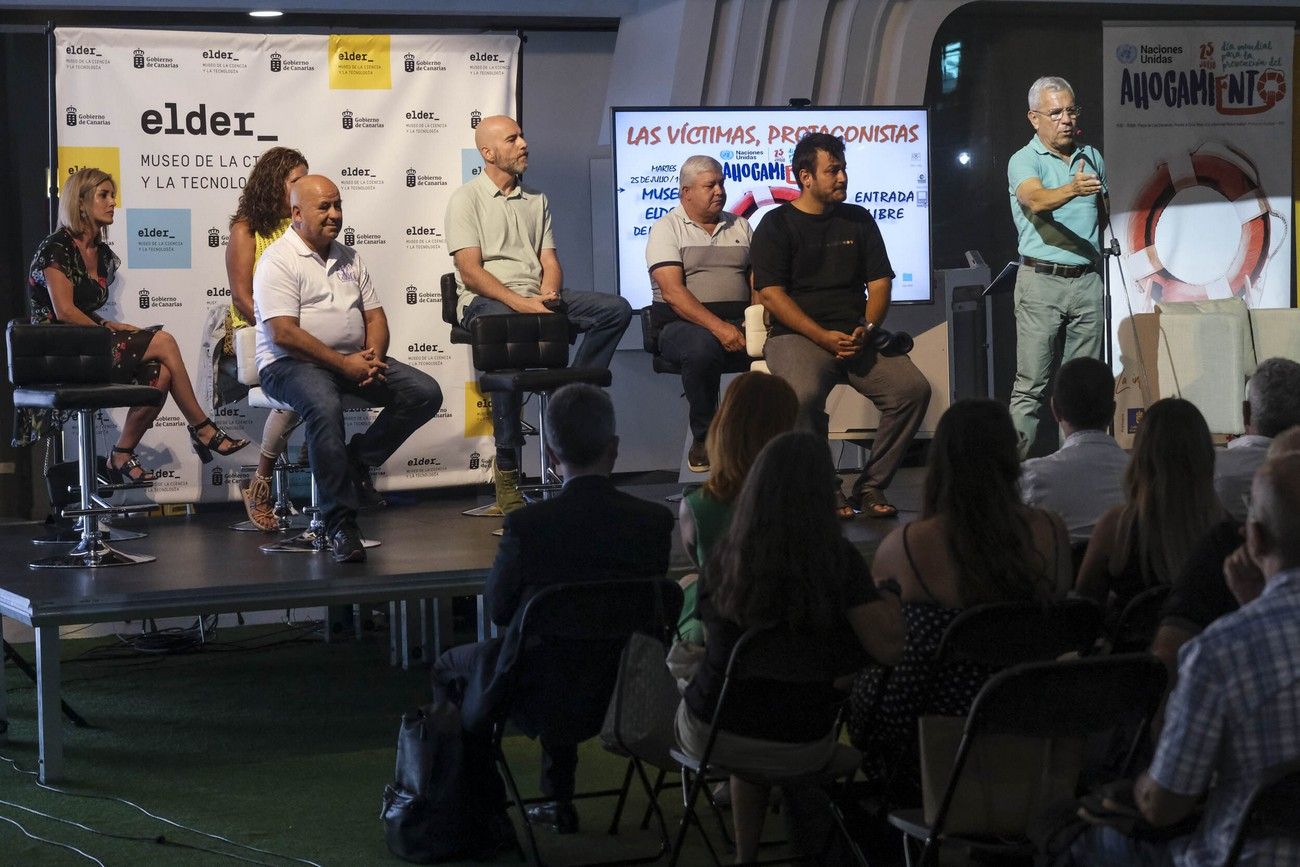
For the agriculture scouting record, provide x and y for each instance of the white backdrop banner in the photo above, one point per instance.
(1197, 144)
(179, 118)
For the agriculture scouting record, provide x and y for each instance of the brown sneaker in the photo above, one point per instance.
(259, 505)
(507, 489)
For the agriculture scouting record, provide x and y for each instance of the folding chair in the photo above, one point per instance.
(754, 656)
(1041, 701)
(1138, 622)
(998, 635)
(1271, 809)
(602, 615)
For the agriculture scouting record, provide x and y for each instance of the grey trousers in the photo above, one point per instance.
(893, 384)
(1046, 306)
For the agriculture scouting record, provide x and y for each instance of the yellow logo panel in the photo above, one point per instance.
(360, 61)
(478, 412)
(106, 159)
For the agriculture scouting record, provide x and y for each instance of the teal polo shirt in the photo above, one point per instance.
(1069, 234)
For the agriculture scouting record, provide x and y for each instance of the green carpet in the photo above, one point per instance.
(274, 741)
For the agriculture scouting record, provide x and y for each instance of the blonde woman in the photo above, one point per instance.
(68, 282)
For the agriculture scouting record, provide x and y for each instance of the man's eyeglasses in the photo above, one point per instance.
(1072, 111)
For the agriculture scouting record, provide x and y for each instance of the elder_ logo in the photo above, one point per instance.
(137, 58)
(144, 299)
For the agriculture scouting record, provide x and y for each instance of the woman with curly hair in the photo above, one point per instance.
(69, 281)
(261, 217)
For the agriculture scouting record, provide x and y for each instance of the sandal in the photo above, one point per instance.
(844, 508)
(220, 442)
(260, 505)
(873, 503)
(130, 472)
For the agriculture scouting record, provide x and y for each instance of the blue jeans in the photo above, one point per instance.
(702, 359)
(1102, 846)
(409, 397)
(600, 316)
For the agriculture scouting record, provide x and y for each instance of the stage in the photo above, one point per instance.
(428, 552)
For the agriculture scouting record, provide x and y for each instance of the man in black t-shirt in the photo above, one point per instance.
(812, 259)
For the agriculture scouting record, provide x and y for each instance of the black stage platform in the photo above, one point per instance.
(428, 551)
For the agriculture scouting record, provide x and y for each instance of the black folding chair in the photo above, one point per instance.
(1040, 700)
(1272, 809)
(1137, 624)
(755, 655)
(599, 617)
(998, 635)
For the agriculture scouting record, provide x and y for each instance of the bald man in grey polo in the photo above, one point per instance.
(700, 338)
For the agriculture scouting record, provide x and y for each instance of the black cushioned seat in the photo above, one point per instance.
(521, 352)
(69, 368)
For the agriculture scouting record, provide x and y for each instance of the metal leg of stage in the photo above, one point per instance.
(4, 692)
(25, 667)
(48, 721)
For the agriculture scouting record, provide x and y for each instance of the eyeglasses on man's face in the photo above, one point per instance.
(1071, 111)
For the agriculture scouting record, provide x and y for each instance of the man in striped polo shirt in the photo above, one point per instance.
(698, 256)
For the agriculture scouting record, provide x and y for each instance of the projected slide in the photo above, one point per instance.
(887, 151)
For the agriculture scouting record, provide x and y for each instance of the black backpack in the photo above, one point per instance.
(447, 801)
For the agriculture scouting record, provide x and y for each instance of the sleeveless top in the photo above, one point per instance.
(712, 517)
(235, 319)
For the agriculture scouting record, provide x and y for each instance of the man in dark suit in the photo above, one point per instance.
(590, 531)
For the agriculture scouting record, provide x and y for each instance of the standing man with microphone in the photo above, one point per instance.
(1056, 188)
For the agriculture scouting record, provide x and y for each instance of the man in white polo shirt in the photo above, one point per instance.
(322, 333)
(698, 256)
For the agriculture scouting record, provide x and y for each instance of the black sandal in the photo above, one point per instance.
(131, 472)
(221, 442)
(873, 504)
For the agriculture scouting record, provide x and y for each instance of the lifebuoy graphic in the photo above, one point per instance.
(754, 200)
(1220, 169)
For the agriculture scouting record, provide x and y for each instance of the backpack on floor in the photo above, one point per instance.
(442, 805)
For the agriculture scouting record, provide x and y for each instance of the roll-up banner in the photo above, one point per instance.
(178, 118)
(1197, 145)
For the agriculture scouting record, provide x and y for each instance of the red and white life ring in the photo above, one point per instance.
(1232, 175)
(754, 200)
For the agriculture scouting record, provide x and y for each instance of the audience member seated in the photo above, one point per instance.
(68, 281)
(698, 256)
(1085, 477)
(1169, 506)
(261, 217)
(1008, 552)
(1272, 405)
(756, 407)
(1201, 595)
(783, 561)
(589, 531)
(322, 333)
(1236, 708)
